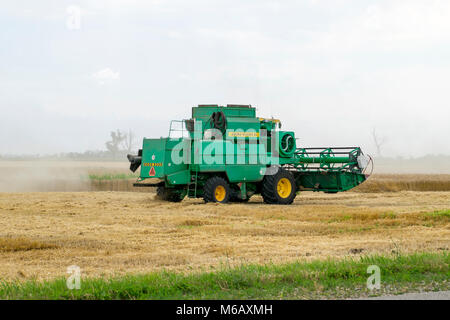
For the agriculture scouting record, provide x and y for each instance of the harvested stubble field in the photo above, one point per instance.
(114, 233)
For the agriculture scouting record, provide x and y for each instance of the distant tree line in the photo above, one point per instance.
(120, 144)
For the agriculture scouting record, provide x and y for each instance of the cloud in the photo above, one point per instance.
(105, 76)
(388, 26)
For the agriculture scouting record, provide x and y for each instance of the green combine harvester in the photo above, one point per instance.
(227, 154)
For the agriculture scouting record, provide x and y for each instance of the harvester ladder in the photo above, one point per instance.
(195, 184)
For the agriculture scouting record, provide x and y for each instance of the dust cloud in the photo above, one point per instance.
(46, 176)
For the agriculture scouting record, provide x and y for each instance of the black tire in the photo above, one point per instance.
(270, 192)
(160, 193)
(213, 186)
(171, 195)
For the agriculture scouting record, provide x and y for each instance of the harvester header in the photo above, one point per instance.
(228, 154)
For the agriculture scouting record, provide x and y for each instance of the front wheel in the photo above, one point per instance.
(216, 189)
(279, 188)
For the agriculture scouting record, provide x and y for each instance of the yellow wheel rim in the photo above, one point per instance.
(220, 193)
(284, 187)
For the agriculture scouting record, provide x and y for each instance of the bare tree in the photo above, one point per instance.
(117, 138)
(129, 142)
(379, 141)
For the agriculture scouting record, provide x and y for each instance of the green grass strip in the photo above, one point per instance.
(317, 279)
(439, 214)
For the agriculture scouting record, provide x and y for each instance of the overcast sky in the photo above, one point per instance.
(331, 70)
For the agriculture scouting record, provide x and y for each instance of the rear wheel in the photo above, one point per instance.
(279, 188)
(216, 189)
(172, 195)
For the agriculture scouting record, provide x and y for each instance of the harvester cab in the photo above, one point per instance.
(227, 154)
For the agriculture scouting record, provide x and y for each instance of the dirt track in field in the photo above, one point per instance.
(105, 233)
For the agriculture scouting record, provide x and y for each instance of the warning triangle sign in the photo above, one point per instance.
(152, 172)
